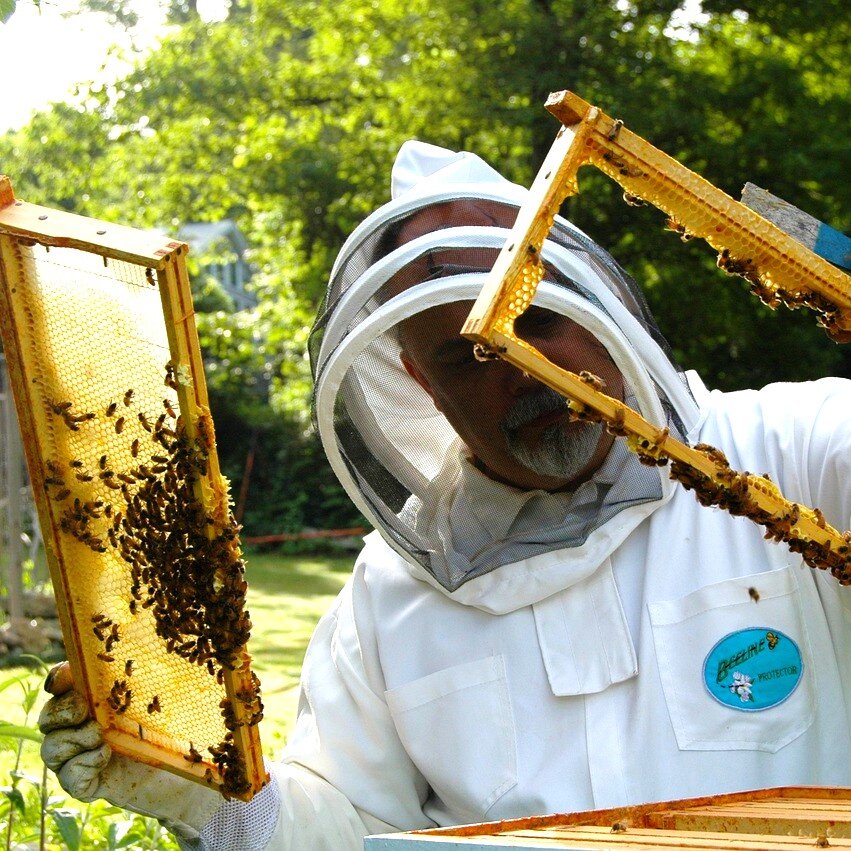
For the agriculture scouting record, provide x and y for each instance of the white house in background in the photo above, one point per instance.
(220, 246)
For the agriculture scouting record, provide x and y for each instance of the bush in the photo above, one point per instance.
(34, 811)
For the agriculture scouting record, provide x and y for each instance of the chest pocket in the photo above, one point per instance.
(458, 728)
(736, 663)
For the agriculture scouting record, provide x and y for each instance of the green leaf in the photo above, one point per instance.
(119, 836)
(16, 797)
(69, 827)
(18, 731)
(22, 775)
(7, 7)
(18, 678)
(30, 696)
(36, 660)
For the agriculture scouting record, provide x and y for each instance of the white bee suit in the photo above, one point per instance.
(651, 649)
(424, 710)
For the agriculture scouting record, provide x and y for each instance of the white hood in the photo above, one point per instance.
(394, 452)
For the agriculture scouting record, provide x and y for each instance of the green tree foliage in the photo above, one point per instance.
(286, 117)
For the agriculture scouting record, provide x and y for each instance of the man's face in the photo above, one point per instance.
(516, 428)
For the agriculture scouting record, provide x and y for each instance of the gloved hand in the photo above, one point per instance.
(74, 748)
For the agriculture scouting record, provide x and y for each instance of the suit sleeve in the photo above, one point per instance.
(344, 773)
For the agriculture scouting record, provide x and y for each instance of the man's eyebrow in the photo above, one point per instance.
(451, 347)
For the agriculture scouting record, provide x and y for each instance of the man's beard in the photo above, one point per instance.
(555, 453)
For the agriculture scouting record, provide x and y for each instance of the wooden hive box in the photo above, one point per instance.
(780, 819)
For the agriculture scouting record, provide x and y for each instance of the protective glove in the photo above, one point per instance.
(74, 749)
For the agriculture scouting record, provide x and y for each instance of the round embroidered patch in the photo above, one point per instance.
(753, 669)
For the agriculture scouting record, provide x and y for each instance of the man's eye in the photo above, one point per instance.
(458, 357)
(535, 320)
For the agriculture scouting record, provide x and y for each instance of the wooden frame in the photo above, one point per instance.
(780, 270)
(211, 664)
(781, 819)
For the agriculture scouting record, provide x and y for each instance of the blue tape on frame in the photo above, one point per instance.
(833, 246)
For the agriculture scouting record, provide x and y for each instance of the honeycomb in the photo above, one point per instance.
(143, 549)
(779, 270)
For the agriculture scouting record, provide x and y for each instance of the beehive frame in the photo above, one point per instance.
(780, 270)
(792, 818)
(134, 511)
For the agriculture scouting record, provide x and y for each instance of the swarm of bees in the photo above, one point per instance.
(732, 491)
(773, 296)
(184, 564)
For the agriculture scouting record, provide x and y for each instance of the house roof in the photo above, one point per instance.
(201, 235)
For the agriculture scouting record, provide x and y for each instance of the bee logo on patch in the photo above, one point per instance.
(772, 640)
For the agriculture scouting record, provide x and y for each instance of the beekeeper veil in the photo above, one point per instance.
(396, 454)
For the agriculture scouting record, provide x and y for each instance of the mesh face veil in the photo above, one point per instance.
(396, 454)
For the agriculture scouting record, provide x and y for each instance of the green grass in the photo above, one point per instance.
(287, 595)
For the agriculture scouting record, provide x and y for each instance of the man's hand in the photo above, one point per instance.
(74, 749)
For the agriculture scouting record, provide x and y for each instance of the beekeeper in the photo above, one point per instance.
(539, 623)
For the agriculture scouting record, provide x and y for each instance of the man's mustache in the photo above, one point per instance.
(530, 406)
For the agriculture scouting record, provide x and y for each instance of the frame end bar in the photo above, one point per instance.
(7, 195)
(567, 107)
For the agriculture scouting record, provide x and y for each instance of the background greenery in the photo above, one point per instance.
(287, 115)
(286, 597)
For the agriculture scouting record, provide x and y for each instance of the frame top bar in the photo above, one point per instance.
(69, 230)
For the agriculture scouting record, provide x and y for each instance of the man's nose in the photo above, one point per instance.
(519, 382)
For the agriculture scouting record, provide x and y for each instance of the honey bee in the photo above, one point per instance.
(105, 657)
(76, 463)
(170, 380)
(128, 667)
(144, 421)
(754, 594)
(592, 380)
(615, 129)
(134, 447)
(63, 494)
(119, 425)
(128, 396)
(169, 409)
(84, 477)
(772, 640)
(661, 436)
(110, 408)
(193, 755)
(154, 705)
